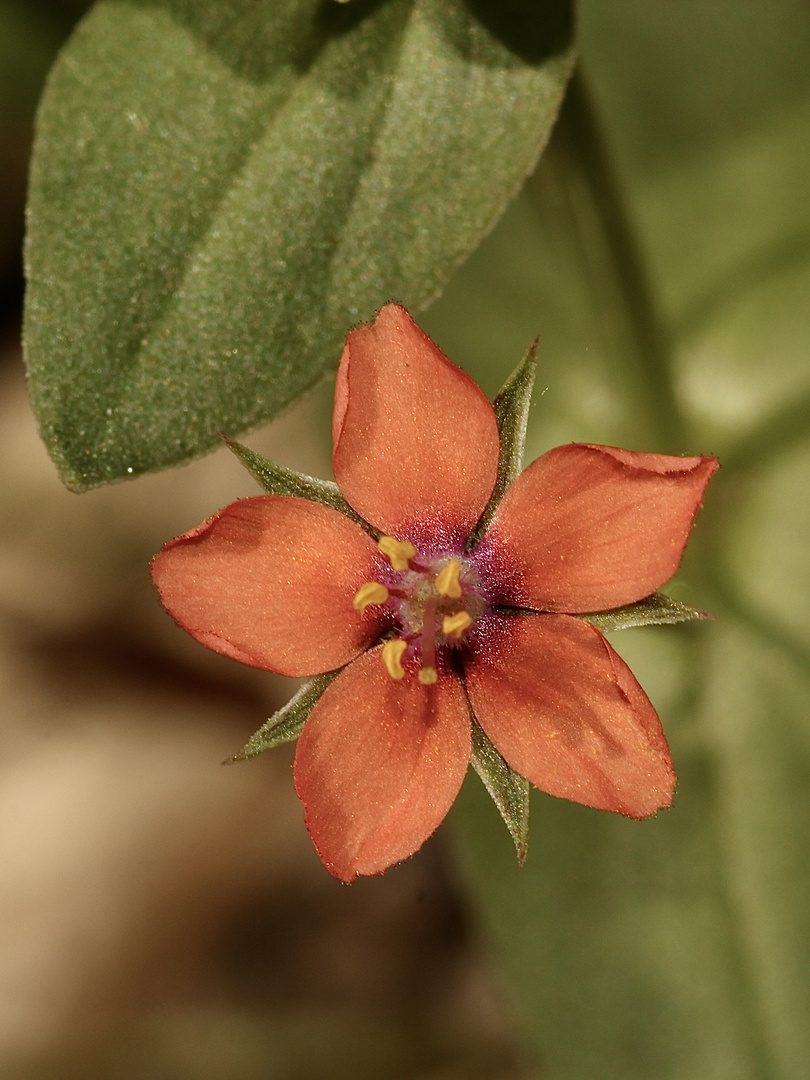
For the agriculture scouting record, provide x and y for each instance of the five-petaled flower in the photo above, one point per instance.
(430, 630)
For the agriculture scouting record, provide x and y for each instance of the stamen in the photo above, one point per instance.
(392, 653)
(455, 625)
(447, 582)
(370, 593)
(428, 676)
(398, 552)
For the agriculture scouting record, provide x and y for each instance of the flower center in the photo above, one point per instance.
(434, 603)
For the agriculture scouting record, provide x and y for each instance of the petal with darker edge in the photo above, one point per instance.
(378, 765)
(269, 581)
(566, 712)
(587, 528)
(415, 439)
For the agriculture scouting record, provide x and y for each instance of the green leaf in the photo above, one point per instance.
(507, 788)
(276, 480)
(511, 404)
(286, 724)
(655, 609)
(677, 947)
(221, 188)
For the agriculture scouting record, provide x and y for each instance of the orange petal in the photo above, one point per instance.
(587, 528)
(270, 581)
(566, 712)
(415, 440)
(379, 764)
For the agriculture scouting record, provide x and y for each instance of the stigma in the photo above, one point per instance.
(433, 602)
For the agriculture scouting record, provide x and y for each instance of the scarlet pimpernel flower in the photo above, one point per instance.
(447, 606)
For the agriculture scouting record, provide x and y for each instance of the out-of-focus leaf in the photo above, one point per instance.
(677, 947)
(220, 188)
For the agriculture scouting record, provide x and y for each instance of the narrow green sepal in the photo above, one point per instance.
(655, 609)
(276, 480)
(508, 789)
(286, 724)
(511, 404)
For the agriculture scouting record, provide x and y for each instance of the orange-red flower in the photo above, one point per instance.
(431, 629)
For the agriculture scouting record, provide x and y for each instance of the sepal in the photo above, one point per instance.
(511, 405)
(655, 609)
(507, 788)
(276, 480)
(286, 724)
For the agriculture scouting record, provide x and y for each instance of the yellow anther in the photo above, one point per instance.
(398, 552)
(447, 583)
(392, 653)
(428, 676)
(455, 625)
(370, 593)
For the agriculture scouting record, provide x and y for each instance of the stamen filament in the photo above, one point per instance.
(429, 637)
(398, 552)
(370, 593)
(455, 625)
(392, 653)
(447, 581)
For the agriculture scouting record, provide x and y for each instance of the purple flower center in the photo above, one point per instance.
(433, 602)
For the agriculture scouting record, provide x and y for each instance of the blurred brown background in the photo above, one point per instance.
(161, 916)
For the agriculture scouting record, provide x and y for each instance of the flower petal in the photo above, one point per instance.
(379, 764)
(566, 712)
(269, 581)
(587, 528)
(415, 440)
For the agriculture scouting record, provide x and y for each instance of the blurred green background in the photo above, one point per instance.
(162, 917)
